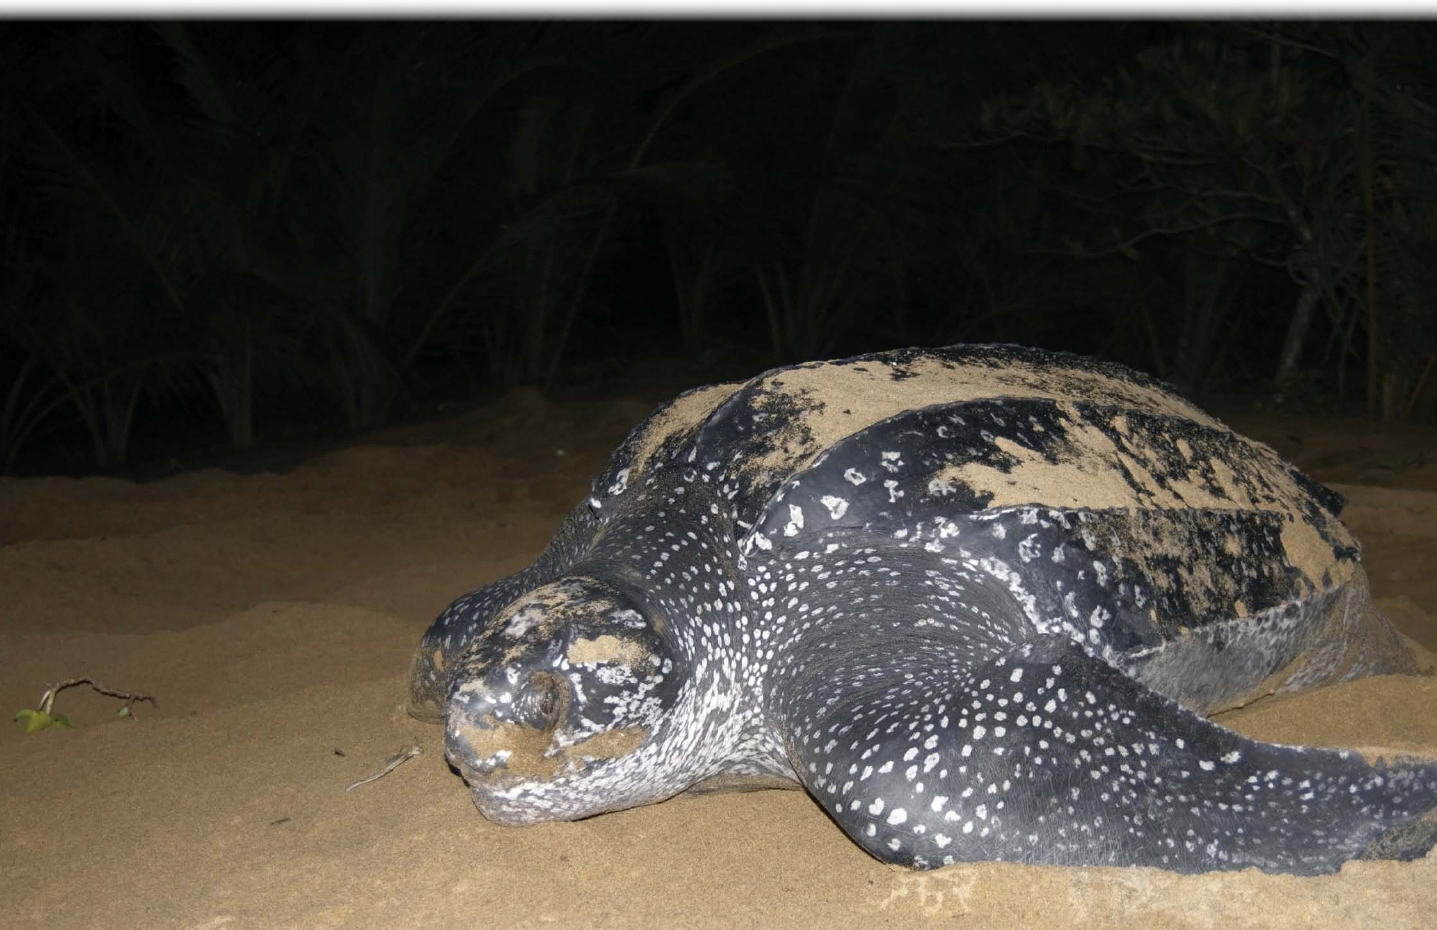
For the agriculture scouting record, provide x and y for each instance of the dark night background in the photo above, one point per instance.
(225, 236)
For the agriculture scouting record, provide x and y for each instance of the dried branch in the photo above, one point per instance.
(392, 763)
(47, 700)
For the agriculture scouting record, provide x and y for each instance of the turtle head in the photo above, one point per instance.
(556, 711)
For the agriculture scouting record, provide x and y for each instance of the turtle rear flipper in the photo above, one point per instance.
(1411, 839)
(1047, 755)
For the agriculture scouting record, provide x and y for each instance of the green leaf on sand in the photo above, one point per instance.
(32, 720)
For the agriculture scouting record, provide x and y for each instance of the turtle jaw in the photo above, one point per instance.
(582, 786)
(520, 774)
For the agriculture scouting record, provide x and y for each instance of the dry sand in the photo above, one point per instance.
(274, 615)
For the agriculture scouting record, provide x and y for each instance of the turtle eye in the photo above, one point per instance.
(547, 694)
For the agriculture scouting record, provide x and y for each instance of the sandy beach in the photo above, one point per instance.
(273, 617)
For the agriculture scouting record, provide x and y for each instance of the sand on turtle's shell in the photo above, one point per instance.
(842, 398)
(274, 617)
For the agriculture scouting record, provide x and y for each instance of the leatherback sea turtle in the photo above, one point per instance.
(976, 600)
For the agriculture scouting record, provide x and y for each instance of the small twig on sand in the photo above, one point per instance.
(47, 700)
(394, 762)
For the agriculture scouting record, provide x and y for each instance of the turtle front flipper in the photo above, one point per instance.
(1047, 755)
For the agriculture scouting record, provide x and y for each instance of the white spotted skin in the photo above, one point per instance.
(952, 673)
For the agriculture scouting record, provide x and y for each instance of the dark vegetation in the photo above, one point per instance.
(226, 233)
